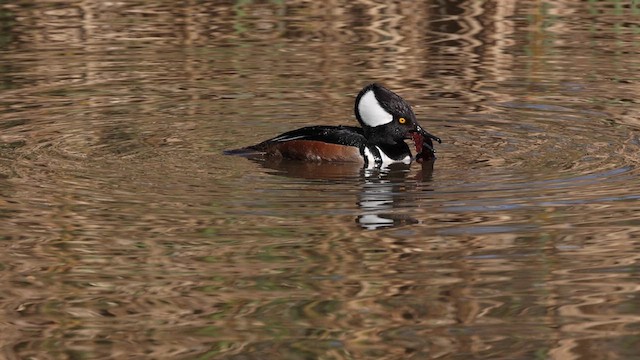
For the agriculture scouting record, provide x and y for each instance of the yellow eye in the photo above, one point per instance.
(402, 120)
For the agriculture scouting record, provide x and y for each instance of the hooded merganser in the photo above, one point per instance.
(386, 120)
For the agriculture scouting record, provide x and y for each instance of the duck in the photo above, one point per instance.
(386, 120)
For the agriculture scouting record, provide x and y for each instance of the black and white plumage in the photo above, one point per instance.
(386, 122)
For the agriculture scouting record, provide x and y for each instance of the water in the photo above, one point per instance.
(127, 233)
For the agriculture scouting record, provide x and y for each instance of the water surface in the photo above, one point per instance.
(127, 233)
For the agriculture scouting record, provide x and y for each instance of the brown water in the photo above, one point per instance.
(126, 233)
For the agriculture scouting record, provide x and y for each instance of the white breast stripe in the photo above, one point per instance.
(369, 158)
(387, 160)
(371, 112)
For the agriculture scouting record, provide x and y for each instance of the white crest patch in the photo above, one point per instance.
(371, 112)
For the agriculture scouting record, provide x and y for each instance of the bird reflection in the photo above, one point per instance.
(381, 190)
(385, 189)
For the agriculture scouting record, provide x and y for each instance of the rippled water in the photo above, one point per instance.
(127, 233)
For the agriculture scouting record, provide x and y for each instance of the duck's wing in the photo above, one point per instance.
(339, 135)
(330, 143)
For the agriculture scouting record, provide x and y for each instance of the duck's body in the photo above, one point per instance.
(386, 119)
(333, 143)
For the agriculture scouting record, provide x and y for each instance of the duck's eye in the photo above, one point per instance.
(402, 120)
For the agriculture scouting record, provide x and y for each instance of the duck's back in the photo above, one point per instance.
(316, 143)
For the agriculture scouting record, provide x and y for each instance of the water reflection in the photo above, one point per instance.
(380, 190)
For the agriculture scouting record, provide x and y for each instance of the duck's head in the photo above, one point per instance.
(387, 119)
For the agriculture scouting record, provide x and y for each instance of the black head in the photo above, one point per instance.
(386, 118)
